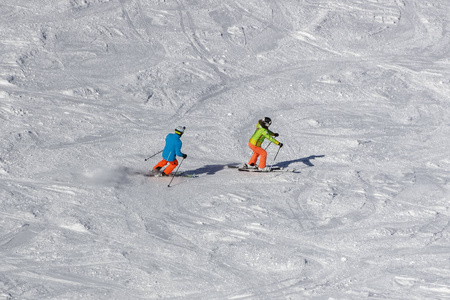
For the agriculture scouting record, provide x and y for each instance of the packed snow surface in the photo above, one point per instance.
(359, 92)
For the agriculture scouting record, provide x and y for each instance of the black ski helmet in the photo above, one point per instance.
(267, 121)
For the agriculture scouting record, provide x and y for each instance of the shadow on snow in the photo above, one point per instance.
(208, 169)
(305, 160)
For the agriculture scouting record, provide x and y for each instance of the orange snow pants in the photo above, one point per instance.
(258, 151)
(170, 167)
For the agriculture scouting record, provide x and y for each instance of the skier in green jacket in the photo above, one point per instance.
(262, 132)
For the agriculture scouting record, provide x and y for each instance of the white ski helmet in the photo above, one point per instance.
(180, 130)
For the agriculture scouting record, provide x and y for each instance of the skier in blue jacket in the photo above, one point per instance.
(171, 150)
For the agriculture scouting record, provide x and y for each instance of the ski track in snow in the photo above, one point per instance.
(358, 91)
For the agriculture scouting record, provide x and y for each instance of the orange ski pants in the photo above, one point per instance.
(170, 167)
(258, 151)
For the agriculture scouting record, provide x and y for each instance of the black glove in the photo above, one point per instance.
(275, 134)
(184, 155)
(280, 144)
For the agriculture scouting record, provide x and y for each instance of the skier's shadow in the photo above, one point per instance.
(208, 169)
(305, 160)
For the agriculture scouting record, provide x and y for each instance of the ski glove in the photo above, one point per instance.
(275, 134)
(280, 144)
(184, 155)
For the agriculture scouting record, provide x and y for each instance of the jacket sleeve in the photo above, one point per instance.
(268, 135)
(178, 148)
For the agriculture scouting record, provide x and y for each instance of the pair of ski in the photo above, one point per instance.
(177, 174)
(256, 170)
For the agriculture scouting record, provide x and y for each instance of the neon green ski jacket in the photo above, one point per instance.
(260, 134)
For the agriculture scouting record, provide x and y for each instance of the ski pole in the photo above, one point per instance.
(279, 148)
(268, 145)
(173, 175)
(153, 155)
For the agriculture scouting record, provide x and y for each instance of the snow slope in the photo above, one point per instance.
(358, 91)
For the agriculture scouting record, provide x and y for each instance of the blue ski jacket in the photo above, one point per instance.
(173, 147)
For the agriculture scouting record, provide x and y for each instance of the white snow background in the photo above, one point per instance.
(358, 91)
